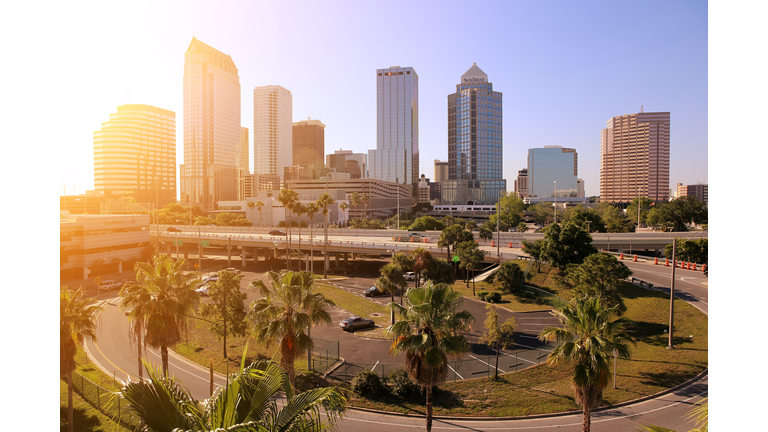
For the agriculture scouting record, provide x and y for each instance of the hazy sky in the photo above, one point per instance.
(563, 67)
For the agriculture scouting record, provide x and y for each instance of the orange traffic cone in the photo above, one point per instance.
(694, 267)
(621, 256)
(635, 260)
(656, 261)
(510, 244)
(493, 243)
(704, 268)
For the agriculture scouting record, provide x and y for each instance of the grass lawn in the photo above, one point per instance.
(85, 416)
(544, 389)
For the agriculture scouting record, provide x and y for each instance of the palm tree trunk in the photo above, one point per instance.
(164, 357)
(138, 347)
(429, 408)
(70, 426)
(587, 420)
(496, 370)
(392, 311)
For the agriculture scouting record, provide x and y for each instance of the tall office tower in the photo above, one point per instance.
(441, 170)
(396, 157)
(521, 184)
(134, 154)
(272, 130)
(211, 127)
(549, 165)
(308, 143)
(245, 161)
(634, 158)
(580, 188)
(474, 142)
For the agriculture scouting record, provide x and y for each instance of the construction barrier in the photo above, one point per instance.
(656, 261)
(704, 268)
(493, 243)
(635, 260)
(425, 240)
(694, 267)
(621, 256)
(510, 244)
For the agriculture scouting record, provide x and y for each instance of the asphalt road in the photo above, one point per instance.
(115, 354)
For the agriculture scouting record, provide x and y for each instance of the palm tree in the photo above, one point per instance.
(77, 321)
(428, 332)
(247, 402)
(343, 207)
(300, 209)
(421, 259)
(391, 280)
(587, 341)
(285, 311)
(250, 205)
(259, 205)
(160, 301)
(356, 200)
(323, 201)
(366, 199)
(287, 198)
(311, 210)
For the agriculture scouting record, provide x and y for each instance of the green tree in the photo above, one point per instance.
(203, 220)
(690, 250)
(509, 275)
(498, 337)
(226, 310)
(486, 231)
(544, 213)
(534, 249)
(565, 244)
(251, 205)
(522, 227)
(512, 208)
(615, 220)
(680, 212)
(471, 258)
(323, 201)
(231, 219)
(285, 312)
(600, 276)
(427, 223)
(343, 207)
(429, 330)
(247, 403)
(366, 199)
(356, 200)
(312, 210)
(288, 198)
(589, 337)
(645, 207)
(300, 209)
(391, 281)
(439, 271)
(587, 219)
(77, 321)
(163, 297)
(421, 259)
(259, 205)
(452, 236)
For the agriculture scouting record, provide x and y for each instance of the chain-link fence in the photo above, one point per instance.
(324, 354)
(105, 401)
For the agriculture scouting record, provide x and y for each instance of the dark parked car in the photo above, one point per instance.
(339, 270)
(372, 291)
(172, 229)
(276, 232)
(356, 322)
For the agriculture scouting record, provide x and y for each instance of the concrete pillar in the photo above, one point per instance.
(186, 252)
(337, 258)
(346, 257)
(85, 272)
(242, 254)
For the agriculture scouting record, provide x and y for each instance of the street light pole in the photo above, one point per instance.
(672, 295)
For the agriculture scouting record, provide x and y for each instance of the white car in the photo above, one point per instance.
(203, 291)
(109, 285)
(410, 276)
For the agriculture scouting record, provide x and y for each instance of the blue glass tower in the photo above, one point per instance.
(474, 142)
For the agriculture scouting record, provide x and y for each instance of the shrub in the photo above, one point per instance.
(494, 297)
(402, 385)
(367, 383)
(481, 295)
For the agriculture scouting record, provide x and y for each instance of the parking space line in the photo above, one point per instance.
(454, 371)
(486, 363)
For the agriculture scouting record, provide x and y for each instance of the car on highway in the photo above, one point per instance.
(109, 285)
(410, 276)
(416, 236)
(356, 322)
(172, 229)
(232, 270)
(211, 278)
(276, 233)
(373, 291)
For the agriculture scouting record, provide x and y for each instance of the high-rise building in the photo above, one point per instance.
(134, 154)
(245, 161)
(211, 127)
(356, 164)
(521, 184)
(308, 143)
(396, 158)
(634, 158)
(441, 170)
(474, 142)
(700, 191)
(272, 130)
(549, 165)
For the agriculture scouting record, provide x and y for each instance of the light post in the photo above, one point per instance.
(672, 294)
(555, 206)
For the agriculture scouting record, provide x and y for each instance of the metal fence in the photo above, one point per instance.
(324, 354)
(106, 401)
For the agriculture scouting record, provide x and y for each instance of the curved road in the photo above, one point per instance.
(115, 354)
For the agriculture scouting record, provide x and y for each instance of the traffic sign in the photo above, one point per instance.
(455, 258)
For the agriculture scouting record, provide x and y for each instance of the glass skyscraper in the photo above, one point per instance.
(474, 142)
(211, 127)
(396, 157)
(549, 165)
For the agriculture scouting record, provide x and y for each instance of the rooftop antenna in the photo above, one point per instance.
(641, 109)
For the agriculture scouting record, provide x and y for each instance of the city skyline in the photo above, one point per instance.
(568, 62)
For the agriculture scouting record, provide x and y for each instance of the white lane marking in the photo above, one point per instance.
(486, 363)
(205, 378)
(454, 371)
(374, 366)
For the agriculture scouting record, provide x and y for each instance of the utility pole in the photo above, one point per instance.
(672, 295)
